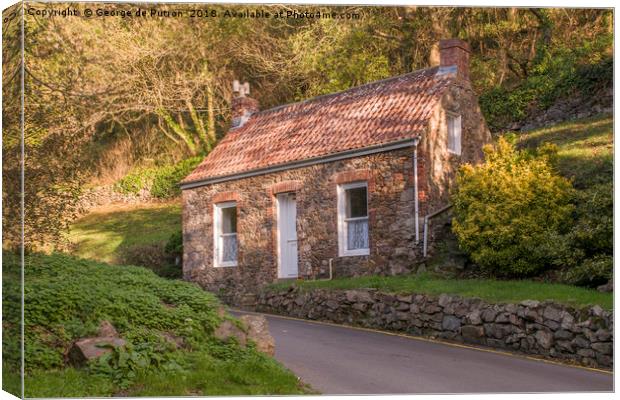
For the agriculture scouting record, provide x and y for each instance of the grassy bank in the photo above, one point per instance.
(67, 298)
(106, 232)
(585, 148)
(489, 290)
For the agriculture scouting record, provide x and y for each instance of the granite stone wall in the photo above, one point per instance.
(547, 329)
(391, 224)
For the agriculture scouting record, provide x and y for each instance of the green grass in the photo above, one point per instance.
(493, 291)
(66, 298)
(209, 377)
(206, 376)
(103, 234)
(585, 148)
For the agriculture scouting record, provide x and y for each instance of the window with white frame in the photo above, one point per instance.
(454, 132)
(353, 219)
(225, 243)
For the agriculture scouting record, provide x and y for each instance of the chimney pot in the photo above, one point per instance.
(455, 52)
(242, 105)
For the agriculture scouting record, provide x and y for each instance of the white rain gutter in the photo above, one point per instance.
(415, 194)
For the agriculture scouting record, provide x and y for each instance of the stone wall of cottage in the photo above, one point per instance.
(437, 166)
(391, 209)
(391, 220)
(547, 329)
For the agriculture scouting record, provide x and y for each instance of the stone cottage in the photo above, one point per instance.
(337, 184)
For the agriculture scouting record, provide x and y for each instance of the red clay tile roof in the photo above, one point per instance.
(373, 114)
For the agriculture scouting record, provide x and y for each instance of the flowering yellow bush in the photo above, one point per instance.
(511, 212)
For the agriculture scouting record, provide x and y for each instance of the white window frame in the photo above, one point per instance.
(342, 220)
(217, 232)
(456, 135)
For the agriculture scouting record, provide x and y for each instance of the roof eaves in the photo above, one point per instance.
(383, 147)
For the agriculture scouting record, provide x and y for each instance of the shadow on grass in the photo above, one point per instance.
(570, 132)
(101, 235)
(585, 148)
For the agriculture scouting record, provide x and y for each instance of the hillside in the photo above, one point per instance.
(67, 299)
(585, 149)
(107, 233)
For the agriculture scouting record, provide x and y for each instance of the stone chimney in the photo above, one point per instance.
(455, 52)
(242, 106)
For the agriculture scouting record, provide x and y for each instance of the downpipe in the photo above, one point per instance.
(415, 194)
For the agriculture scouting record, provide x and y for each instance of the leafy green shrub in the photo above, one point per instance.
(153, 256)
(593, 232)
(135, 181)
(511, 212)
(162, 182)
(163, 259)
(123, 364)
(175, 244)
(166, 179)
(591, 272)
(64, 292)
(563, 72)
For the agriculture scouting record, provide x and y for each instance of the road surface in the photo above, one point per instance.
(344, 360)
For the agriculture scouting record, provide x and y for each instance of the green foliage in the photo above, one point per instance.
(585, 156)
(123, 364)
(591, 272)
(66, 298)
(68, 382)
(135, 181)
(166, 179)
(174, 245)
(556, 74)
(244, 373)
(163, 259)
(63, 292)
(162, 182)
(511, 212)
(153, 256)
(493, 291)
(593, 231)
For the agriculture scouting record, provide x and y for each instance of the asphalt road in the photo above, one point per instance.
(343, 360)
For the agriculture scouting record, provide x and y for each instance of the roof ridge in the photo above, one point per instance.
(334, 94)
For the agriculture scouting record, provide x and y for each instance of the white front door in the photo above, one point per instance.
(287, 236)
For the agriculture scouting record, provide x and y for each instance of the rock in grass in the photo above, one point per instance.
(228, 330)
(258, 332)
(88, 349)
(608, 287)
(106, 329)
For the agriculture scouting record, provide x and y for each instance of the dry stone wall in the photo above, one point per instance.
(106, 195)
(583, 335)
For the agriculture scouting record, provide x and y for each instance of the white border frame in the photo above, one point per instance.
(217, 228)
(342, 227)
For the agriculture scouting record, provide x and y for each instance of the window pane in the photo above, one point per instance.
(454, 133)
(450, 132)
(356, 202)
(229, 248)
(229, 220)
(357, 234)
